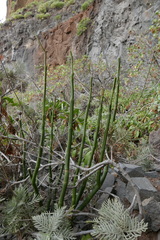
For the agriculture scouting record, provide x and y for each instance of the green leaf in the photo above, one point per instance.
(87, 158)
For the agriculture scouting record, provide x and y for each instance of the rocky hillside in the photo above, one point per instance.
(112, 26)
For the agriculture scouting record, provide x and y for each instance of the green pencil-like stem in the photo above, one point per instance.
(50, 160)
(82, 144)
(51, 144)
(106, 131)
(24, 165)
(42, 139)
(83, 186)
(117, 91)
(69, 142)
(91, 194)
(102, 175)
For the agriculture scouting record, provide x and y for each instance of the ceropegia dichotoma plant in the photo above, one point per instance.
(114, 222)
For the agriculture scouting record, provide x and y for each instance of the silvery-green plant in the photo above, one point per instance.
(53, 226)
(114, 222)
(17, 212)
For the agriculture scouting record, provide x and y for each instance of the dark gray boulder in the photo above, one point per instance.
(144, 186)
(154, 141)
(151, 210)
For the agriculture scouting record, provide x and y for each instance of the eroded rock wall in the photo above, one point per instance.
(114, 26)
(20, 47)
(117, 24)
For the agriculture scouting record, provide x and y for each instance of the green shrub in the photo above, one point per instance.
(82, 26)
(27, 14)
(57, 5)
(43, 15)
(58, 17)
(32, 4)
(44, 7)
(20, 10)
(17, 16)
(86, 4)
(69, 2)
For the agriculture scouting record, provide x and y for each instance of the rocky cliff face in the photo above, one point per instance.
(113, 27)
(118, 23)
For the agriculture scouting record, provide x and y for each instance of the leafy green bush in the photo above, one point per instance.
(32, 4)
(69, 2)
(43, 15)
(17, 16)
(142, 111)
(58, 17)
(28, 14)
(43, 7)
(86, 4)
(57, 4)
(138, 115)
(82, 26)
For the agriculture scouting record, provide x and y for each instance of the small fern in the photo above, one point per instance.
(116, 223)
(53, 226)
